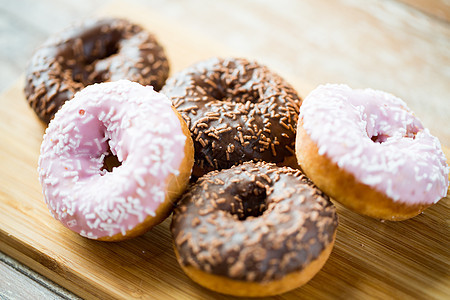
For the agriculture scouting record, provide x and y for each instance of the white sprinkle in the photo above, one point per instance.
(70, 212)
(102, 214)
(150, 212)
(97, 142)
(101, 115)
(91, 170)
(93, 224)
(141, 192)
(91, 235)
(72, 223)
(51, 180)
(115, 214)
(115, 118)
(90, 216)
(110, 113)
(322, 150)
(113, 127)
(87, 119)
(175, 172)
(68, 128)
(55, 193)
(120, 200)
(70, 174)
(136, 213)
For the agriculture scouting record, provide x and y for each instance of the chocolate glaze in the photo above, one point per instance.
(253, 222)
(237, 110)
(93, 51)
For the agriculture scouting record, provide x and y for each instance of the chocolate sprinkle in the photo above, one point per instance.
(247, 110)
(261, 230)
(93, 51)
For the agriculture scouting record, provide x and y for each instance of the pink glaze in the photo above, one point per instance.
(140, 128)
(374, 136)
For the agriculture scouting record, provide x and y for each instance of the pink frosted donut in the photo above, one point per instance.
(367, 150)
(149, 139)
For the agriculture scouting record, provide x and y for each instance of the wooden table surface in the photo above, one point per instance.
(400, 46)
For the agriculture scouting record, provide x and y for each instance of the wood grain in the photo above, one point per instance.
(436, 8)
(371, 259)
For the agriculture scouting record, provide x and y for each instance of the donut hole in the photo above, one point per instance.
(92, 67)
(233, 87)
(111, 161)
(380, 138)
(101, 49)
(222, 93)
(237, 95)
(249, 201)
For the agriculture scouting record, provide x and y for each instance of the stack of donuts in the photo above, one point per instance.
(228, 146)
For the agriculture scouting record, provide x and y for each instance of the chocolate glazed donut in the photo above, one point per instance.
(237, 110)
(253, 230)
(94, 51)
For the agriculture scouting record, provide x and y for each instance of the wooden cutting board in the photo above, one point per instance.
(371, 259)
